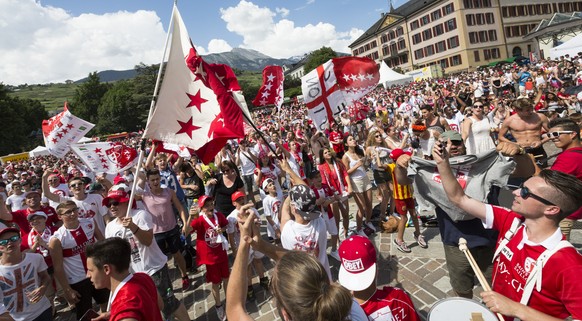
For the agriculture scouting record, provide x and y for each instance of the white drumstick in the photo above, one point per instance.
(463, 247)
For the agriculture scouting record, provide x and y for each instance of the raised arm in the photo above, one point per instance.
(46, 188)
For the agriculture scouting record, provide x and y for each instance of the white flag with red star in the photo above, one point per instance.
(62, 130)
(331, 87)
(199, 105)
(107, 157)
(271, 92)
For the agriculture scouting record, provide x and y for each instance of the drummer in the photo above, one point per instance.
(358, 274)
(531, 245)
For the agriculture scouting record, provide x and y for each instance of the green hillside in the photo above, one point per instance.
(52, 96)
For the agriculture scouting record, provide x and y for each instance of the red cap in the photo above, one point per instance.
(398, 152)
(118, 195)
(202, 200)
(358, 263)
(236, 195)
(118, 180)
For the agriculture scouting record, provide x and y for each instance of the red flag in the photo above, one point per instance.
(358, 111)
(271, 92)
(107, 157)
(329, 88)
(199, 105)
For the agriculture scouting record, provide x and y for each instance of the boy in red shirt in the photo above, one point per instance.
(358, 274)
(212, 246)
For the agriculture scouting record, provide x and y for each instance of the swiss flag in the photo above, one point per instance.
(199, 105)
(271, 92)
(107, 157)
(62, 130)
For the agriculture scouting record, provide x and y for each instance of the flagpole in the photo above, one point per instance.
(151, 111)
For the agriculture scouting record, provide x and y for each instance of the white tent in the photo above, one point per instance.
(389, 77)
(571, 47)
(38, 151)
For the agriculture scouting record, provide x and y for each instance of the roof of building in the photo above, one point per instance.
(559, 23)
(399, 13)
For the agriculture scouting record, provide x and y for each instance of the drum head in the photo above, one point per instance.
(459, 309)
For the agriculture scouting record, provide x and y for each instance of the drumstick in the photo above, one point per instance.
(463, 247)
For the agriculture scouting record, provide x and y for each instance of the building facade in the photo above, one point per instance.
(456, 34)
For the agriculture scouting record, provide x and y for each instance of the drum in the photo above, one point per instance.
(460, 309)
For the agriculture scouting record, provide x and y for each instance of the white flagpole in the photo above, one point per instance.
(152, 105)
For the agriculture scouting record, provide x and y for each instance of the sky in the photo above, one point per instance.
(44, 41)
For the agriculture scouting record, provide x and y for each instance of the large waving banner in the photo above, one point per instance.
(106, 157)
(63, 130)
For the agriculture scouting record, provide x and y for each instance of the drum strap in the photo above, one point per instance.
(508, 235)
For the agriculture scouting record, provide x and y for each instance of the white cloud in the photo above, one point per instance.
(218, 45)
(45, 44)
(282, 39)
(284, 12)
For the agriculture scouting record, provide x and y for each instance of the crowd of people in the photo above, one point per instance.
(450, 145)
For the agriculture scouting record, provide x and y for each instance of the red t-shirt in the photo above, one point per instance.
(570, 162)
(389, 304)
(561, 294)
(20, 217)
(209, 251)
(337, 143)
(137, 298)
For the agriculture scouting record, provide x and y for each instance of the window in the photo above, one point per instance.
(480, 19)
(384, 39)
(392, 35)
(448, 9)
(393, 48)
(435, 15)
(482, 36)
(424, 20)
(444, 63)
(401, 44)
(451, 25)
(429, 50)
(495, 53)
(414, 25)
(374, 44)
(427, 34)
(476, 54)
(355, 53)
(385, 51)
(470, 19)
(440, 46)
(375, 55)
(456, 60)
(489, 18)
(418, 54)
(492, 35)
(453, 42)
(520, 10)
(438, 30)
(416, 38)
(399, 31)
(486, 54)
(473, 38)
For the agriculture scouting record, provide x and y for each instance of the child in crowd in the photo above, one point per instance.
(271, 208)
(357, 273)
(325, 196)
(241, 212)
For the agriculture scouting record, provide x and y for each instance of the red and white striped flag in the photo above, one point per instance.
(199, 105)
(63, 130)
(107, 157)
(271, 92)
(330, 87)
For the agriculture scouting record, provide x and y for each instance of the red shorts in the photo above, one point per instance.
(402, 206)
(216, 272)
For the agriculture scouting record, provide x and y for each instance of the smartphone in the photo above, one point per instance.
(90, 314)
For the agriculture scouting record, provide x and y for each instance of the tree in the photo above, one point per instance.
(144, 84)
(87, 99)
(318, 57)
(117, 112)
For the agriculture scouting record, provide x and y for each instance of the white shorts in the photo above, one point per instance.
(330, 224)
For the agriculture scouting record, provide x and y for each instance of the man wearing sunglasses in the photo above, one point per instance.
(537, 273)
(89, 205)
(146, 256)
(565, 134)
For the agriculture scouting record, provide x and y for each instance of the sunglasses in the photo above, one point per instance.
(378, 136)
(525, 193)
(12, 239)
(478, 106)
(112, 203)
(557, 134)
(76, 185)
(69, 212)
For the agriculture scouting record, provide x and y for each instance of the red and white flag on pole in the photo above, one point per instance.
(329, 88)
(271, 92)
(107, 157)
(62, 130)
(198, 105)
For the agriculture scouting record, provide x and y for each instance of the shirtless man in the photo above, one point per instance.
(526, 126)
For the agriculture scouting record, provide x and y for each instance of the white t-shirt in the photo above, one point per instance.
(61, 190)
(74, 243)
(271, 208)
(246, 164)
(90, 207)
(147, 259)
(19, 279)
(310, 238)
(16, 202)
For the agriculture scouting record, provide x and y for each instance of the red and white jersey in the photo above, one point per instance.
(61, 190)
(271, 207)
(21, 218)
(16, 280)
(74, 243)
(135, 298)
(209, 250)
(390, 304)
(561, 291)
(91, 207)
